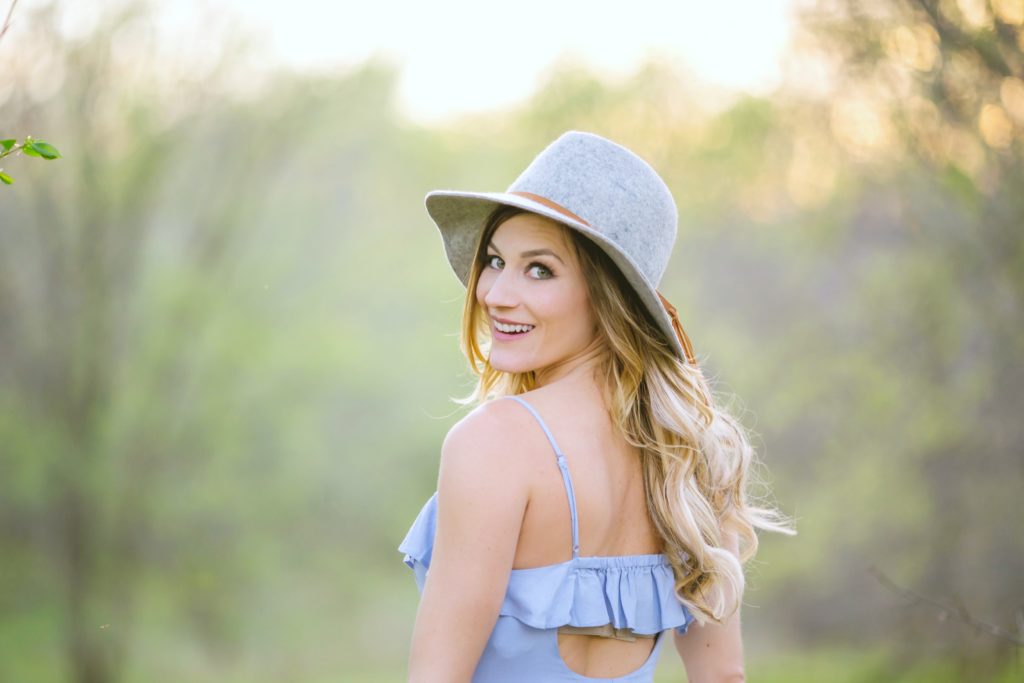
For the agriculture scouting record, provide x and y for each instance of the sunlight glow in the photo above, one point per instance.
(461, 56)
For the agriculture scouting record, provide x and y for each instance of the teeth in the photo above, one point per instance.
(509, 329)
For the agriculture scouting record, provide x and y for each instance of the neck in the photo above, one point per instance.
(582, 366)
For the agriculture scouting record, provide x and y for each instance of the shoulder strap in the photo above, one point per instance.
(566, 479)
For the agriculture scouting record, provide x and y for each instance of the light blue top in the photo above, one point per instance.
(628, 591)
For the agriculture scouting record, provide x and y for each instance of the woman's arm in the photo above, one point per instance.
(713, 653)
(482, 495)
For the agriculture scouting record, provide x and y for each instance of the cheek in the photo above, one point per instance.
(587, 323)
(483, 285)
(572, 307)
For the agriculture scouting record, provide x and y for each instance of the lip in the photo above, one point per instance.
(508, 322)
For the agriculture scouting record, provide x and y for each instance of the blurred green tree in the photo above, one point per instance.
(188, 342)
(926, 102)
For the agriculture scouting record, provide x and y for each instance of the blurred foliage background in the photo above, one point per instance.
(228, 342)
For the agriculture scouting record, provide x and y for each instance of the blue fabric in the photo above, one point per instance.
(628, 591)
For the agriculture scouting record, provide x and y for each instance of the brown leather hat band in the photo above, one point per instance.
(551, 205)
(691, 357)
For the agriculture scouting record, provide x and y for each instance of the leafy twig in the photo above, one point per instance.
(30, 147)
(957, 611)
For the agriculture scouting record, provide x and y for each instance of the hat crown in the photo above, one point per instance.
(611, 188)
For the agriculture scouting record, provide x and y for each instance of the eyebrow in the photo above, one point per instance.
(532, 252)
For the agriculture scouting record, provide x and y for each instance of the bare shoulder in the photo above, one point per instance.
(486, 444)
(496, 416)
(488, 429)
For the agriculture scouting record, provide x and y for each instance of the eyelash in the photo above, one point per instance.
(490, 257)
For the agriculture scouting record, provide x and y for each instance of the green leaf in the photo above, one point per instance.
(7, 144)
(29, 150)
(6, 179)
(44, 149)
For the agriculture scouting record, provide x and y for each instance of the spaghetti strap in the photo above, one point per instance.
(564, 466)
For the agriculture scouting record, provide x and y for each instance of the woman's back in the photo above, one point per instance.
(606, 475)
(589, 594)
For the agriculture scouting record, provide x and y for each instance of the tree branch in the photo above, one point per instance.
(7, 21)
(958, 611)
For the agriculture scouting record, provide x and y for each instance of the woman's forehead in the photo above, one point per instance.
(531, 228)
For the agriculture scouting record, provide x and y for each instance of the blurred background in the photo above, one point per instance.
(228, 333)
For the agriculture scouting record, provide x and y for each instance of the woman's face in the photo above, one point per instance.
(532, 290)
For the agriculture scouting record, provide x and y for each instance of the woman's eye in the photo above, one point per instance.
(539, 271)
(490, 261)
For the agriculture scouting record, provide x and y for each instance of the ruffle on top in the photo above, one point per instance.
(629, 591)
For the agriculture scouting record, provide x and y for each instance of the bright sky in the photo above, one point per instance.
(462, 56)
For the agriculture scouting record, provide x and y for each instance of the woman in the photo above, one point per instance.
(585, 372)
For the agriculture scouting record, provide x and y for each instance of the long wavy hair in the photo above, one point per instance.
(696, 457)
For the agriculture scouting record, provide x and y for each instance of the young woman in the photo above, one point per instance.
(596, 498)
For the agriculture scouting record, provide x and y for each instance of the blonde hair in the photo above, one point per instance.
(696, 458)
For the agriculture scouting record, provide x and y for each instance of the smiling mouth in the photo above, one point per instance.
(511, 329)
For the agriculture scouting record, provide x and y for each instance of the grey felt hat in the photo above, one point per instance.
(594, 186)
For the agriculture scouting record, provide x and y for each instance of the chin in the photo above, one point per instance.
(504, 363)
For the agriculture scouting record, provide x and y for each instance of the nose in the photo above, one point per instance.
(499, 290)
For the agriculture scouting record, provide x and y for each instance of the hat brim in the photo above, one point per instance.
(460, 216)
